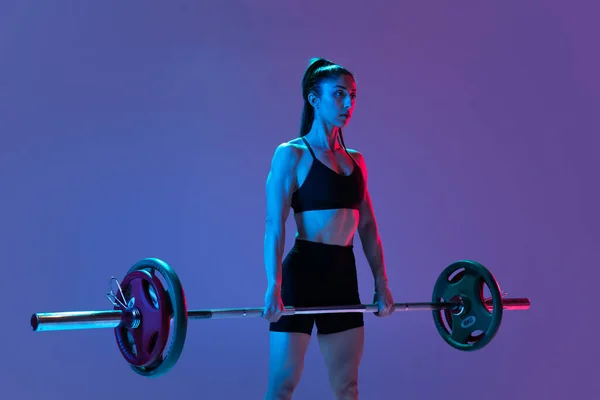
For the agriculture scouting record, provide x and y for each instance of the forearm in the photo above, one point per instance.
(273, 253)
(373, 249)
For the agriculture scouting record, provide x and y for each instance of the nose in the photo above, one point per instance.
(348, 102)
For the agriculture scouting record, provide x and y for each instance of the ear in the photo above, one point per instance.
(313, 100)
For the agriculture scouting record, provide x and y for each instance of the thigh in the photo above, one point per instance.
(286, 355)
(293, 324)
(341, 291)
(342, 352)
(294, 293)
(330, 324)
(297, 290)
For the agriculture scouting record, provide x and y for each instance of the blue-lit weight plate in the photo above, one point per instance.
(472, 326)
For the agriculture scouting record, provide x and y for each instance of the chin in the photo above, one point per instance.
(342, 123)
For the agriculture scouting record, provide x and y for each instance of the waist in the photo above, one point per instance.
(308, 245)
(327, 226)
(327, 261)
(322, 251)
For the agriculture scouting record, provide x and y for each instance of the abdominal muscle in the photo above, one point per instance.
(336, 227)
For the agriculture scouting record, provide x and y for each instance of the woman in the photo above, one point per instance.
(326, 185)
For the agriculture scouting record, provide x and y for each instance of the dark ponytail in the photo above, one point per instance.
(308, 116)
(318, 69)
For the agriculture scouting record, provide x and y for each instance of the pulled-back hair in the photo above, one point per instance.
(318, 70)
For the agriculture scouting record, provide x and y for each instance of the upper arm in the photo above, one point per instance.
(281, 182)
(366, 213)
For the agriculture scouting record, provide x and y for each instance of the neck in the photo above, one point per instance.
(324, 136)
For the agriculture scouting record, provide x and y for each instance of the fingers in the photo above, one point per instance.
(270, 315)
(273, 316)
(384, 312)
(273, 313)
(386, 307)
(274, 307)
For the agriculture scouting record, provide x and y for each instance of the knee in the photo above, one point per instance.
(283, 384)
(347, 390)
(281, 392)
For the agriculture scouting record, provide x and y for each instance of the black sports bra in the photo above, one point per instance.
(325, 189)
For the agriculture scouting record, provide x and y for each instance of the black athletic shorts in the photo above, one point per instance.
(314, 275)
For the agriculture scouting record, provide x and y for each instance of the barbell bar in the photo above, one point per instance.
(147, 312)
(80, 320)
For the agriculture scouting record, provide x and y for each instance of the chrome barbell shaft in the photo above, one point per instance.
(223, 313)
(77, 320)
(509, 304)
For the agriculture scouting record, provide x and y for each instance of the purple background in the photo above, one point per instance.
(137, 129)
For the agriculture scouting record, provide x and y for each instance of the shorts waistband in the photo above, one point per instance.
(301, 244)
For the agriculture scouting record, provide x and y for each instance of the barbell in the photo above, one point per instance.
(147, 312)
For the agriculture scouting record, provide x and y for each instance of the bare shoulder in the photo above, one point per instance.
(355, 153)
(286, 156)
(358, 157)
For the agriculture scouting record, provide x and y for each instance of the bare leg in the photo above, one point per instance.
(343, 352)
(286, 362)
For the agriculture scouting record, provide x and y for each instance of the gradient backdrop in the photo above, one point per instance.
(144, 129)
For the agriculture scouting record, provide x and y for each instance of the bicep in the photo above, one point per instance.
(280, 185)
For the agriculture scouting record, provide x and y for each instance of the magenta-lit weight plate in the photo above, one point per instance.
(143, 345)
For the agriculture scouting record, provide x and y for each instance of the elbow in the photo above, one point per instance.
(274, 225)
(368, 231)
(275, 229)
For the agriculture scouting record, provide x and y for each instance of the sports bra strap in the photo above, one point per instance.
(309, 148)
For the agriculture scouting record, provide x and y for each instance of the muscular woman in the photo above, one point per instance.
(326, 186)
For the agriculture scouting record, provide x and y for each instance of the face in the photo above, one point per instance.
(337, 101)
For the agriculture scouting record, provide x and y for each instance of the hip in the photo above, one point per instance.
(320, 266)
